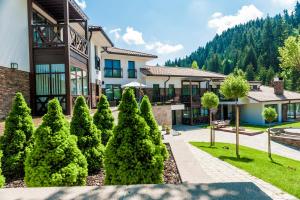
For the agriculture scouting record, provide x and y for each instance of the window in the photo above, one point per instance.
(79, 82)
(294, 111)
(156, 93)
(112, 69)
(97, 59)
(204, 112)
(185, 90)
(131, 69)
(171, 91)
(113, 92)
(195, 90)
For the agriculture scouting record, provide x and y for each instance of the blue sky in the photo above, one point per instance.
(174, 28)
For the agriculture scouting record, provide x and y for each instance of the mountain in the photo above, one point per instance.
(252, 47)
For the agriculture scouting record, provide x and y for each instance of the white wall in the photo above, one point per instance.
(251, 113)
(14, 34)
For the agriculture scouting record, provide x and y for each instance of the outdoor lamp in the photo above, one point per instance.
(14, 65)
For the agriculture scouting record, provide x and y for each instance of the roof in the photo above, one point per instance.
(266, 94)
(118, 51)
(99, 28)
(179, 72)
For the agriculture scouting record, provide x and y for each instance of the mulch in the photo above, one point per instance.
(171, 175)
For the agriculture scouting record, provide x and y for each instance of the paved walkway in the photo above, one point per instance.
(196, 166)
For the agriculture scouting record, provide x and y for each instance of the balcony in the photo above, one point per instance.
(132, 73)
(51, 36)
(113, 73)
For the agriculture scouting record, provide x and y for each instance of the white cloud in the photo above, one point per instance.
(81, 3)
(116, 33)
(162, 48)
(284, 3)
(245, 14)
(133, 37)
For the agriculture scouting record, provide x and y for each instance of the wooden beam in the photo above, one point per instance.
(67, 58)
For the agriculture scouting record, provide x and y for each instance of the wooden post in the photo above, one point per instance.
(67, 57)
(191, 103)
(237, 121)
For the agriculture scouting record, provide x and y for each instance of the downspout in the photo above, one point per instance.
(165, 88)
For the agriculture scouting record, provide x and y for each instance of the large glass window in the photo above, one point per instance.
(171, 91)
(79, 82)
(131, 69)
(185, 90)
(112, 68)
(156, 93)
(195, 90)
(113, 92)
(294, 111)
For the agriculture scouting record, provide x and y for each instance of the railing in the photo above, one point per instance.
(132, 73)
(78, 42)
(46, 36)
(113, 73)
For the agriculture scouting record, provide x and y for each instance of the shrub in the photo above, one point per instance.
(89, 137)
(2, 179)
(130, 156)
(104, 119)
(55, 159)
(17, 134)
(155, 134)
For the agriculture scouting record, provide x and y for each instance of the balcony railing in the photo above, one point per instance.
(132, 73)
(51, 36)
(113, 73)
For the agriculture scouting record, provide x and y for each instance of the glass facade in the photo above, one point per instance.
(293, 111)
(113, 92)
(79, 82)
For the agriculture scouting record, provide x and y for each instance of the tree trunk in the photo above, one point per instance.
(237, 122)
(269, 142)
(211, 128)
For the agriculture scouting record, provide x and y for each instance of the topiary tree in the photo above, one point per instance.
(2, 179)
(155, 134)
(88, 136)
(17, 134)
(130, 156)
(210, 101)
(269, 115)
(235, 87)
(104, 119)
(55, 159)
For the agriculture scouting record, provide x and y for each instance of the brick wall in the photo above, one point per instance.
(163, 114)
(11, 82)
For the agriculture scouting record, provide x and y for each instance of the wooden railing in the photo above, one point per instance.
(78, 42)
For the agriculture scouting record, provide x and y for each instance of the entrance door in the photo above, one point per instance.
(173, 117)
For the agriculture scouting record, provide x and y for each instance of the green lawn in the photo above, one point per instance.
(281, 172)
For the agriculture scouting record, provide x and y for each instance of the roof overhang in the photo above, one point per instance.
(102, 32)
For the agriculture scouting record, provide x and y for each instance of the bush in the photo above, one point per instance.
(2, 179)
(130, 156)
(104, 119)
(155, 134)
(89, 137)
(17, 134)
(55, 159)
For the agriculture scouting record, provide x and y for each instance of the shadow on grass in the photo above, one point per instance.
(232, 158)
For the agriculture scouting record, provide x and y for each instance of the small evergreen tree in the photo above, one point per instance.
(89, 137)
(55, 159)
(195, 65)
(17, 135)
(155, 134)
(130, 156)
(250, 74)
(104, 119)
(2, 179)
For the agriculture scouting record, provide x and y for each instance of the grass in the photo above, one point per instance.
(281, 172)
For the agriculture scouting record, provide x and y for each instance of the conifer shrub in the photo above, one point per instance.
(104, 119)
(55, 159)
(17, 135)
(88, 136)
(130, 156)
(2, 179)
(155, 134)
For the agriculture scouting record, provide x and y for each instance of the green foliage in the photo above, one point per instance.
(210, 100)
(104, 119)
(2, 179)
(17, 136)
(239, 72)
(195, 65)
(269, 114)
(234, 87)
(290, 53)
(250, 74)
(88, 136)
(130, 156)
(155, 134)
(55, 159)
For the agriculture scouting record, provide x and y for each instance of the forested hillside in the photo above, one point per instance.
(252, 47)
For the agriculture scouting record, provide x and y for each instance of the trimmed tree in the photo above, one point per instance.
(104, 119)
(155, 134)
(2, 179)
(130, 156)
(210, 101)
(55, 159)
(235, 87)
(17, 135)
(88, 136)
(269, 115)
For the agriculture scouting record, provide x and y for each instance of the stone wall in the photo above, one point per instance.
(163, 114)
(11, 82)
(295, 142)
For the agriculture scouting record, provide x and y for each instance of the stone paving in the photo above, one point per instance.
(196, 166)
